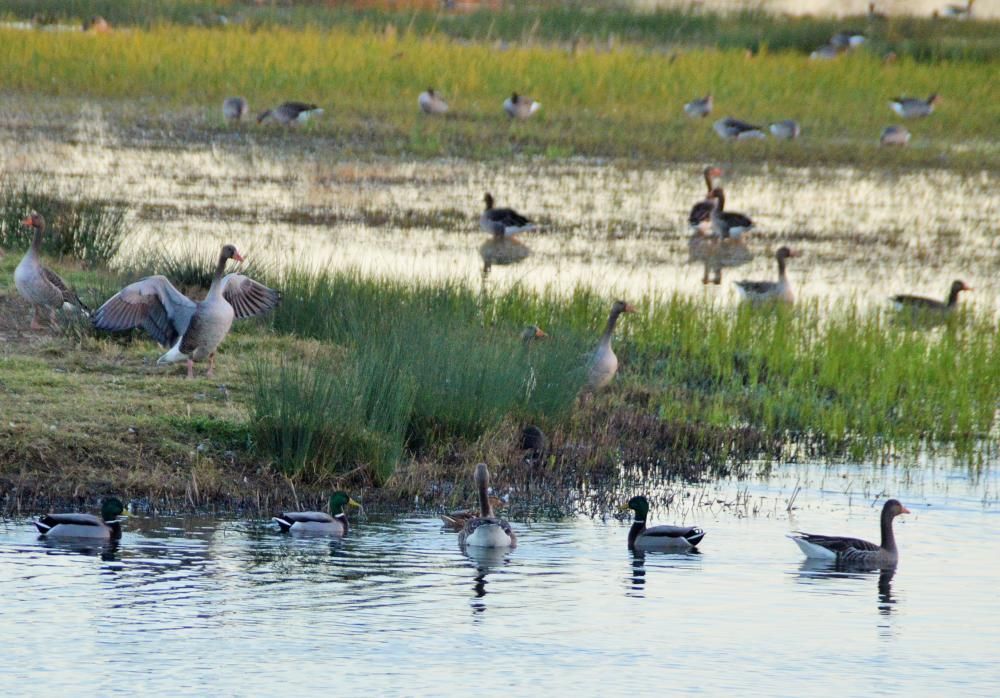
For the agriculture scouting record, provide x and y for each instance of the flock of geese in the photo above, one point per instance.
(485, 528)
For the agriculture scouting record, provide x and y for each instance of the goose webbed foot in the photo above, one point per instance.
(36, 319)
(211, 365)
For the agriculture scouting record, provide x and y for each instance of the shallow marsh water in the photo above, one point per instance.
(184, 606)
(288, 198)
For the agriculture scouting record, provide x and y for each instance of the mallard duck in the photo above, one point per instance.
(677, 538)
(457, 519)
(193, 331)
(235, 108)
(699, 108)
(894, 135)
(853, 550)
(911, 107)
(486, 530)
(787, 129)
(931, 306)
(430, 102)
(40, 286)
(770, 291)
(107, 526)
(731, 129)
(604, 362)
(290, 113)
(319, 522)
(520, 107)
(502, 221)
(701, 212)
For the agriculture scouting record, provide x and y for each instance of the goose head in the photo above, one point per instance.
(230, 252)
(532, 332)
(339, 500)
(488, 199)
(514, 97)
(784, 253)
(620, 307)
(34, 220)
(893, 508)
(934, 98)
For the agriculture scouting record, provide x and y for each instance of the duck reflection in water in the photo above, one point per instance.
(635, 582)
(106, 550)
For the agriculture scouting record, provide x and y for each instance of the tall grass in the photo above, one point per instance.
(89, 231)
(625, 102)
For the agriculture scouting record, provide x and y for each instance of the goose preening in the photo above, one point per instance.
(235, 108)
(731, 129)
(853, 551)
(911, 107)
(701, 213)
(107, 526)
(193, 331)
(486, 530)
(787, 129)
(663, 538)
(430, 102)
(894, 135)
(930, 306)
(699, 108)
(40, 286)
(727, 224)
(958, 11)
(290, 113)
(604, 362)
(319, 522)
(520, 107)
(502, 221)
(457, 519)
(770, 291)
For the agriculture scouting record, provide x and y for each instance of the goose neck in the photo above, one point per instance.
(888, 537)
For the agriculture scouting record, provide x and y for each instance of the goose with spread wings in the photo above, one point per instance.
(192, 330)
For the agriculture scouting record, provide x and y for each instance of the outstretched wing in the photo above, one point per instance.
(152, 304)
(248, 297)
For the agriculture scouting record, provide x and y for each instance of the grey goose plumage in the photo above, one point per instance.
(430, 102)
(604, 362)
(932, 306)
(894, 135)
(192, 330)
(912, 107)
(770, 291)
(731, 129)
(40, 286)
(289, 113)
(520, 107)
(854, 551)
(699, 108)
(235, 108)
(487, 530)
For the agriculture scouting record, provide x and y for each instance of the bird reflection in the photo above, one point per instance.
(107, 550)
(485, 559)
(822, 569)
(636, 583)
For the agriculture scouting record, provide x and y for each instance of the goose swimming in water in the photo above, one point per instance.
(854, 551)
(930, 308)
(770, 291)
(486, 530)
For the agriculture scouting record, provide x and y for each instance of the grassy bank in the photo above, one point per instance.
(400, 387)
(624, 103)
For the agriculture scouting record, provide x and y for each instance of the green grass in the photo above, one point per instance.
(625, 103)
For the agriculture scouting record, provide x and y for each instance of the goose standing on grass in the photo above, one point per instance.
(105, 527)
(731, 129)
(788, 129)
(235, 108)
(662, 538)
(41, 287)
(486, 530)
(290, 113)
(699, 108)
(853, 551)
(931, 306)
(913, 108)
(502, 221)
(430, 102)
(604, 362)
(193, 331)
(520, 107)
(770, 291)
(700, 217)
(319, 522)
(894, 135)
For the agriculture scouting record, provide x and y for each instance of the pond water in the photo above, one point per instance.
(187, 606)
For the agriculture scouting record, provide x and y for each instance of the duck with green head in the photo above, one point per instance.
(105, 527)
(319, 522)
(668, 538)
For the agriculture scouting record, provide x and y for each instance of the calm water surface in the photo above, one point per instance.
(183, 606)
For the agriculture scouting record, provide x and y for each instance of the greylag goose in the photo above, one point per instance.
(788, 129)
(486, 530)
(456, 520)
(958, 11)
(502, 221)
(931, 306)
(911, 107)
(519, 107)
(193, 331)
(40, 286)
(894, 135)
(430, 102)
(827, 52)
(105, 527)
(727, 224)
(853, 551)
(847, 39)
(701, 213)
(235, 108)
(770, 291)
(699, 108)
(604, 362)
(531, 333)
(663, 538)
(319, 522)
(290, 113)
(731, 129)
